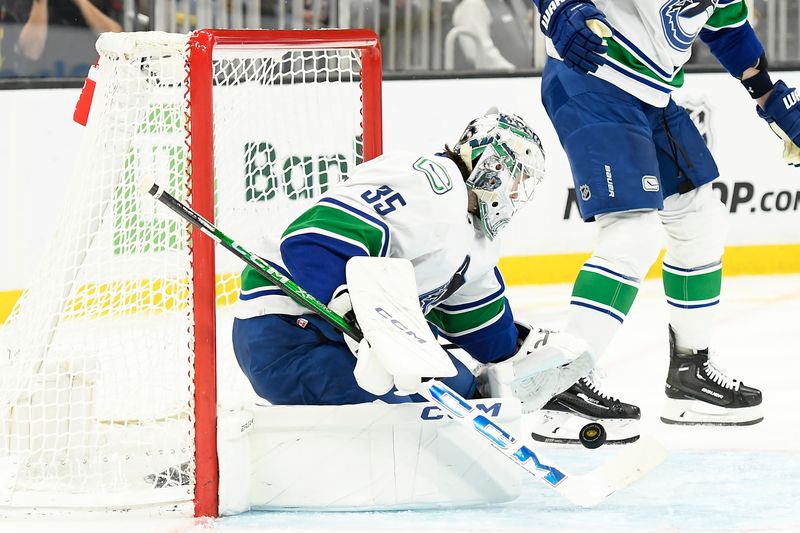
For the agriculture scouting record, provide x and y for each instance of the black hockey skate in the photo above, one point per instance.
(561, 419)
(700, 393)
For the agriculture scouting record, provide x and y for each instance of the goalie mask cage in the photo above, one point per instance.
(108, 379)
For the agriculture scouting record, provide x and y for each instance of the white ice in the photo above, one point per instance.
(715, 478)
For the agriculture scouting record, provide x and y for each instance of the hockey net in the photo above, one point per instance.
(107, 374)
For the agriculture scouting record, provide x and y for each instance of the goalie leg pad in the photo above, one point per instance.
(377, 457)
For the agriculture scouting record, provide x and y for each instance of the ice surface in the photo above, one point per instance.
(715, 479)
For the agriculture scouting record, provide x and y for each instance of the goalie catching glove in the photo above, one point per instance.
(782, 113)
(545, 364)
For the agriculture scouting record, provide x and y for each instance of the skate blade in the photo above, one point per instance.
(565, 440)
(699, 413)
(559, 427)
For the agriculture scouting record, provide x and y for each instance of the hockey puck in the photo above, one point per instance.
(592, 435)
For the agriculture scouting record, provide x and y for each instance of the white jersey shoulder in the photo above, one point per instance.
(423, 202)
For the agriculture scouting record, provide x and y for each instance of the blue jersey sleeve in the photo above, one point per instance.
(316, 246)
(731, 38)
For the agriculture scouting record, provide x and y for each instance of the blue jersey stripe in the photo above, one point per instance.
(692, 306)
(643, 57)
(643, 81)
(695, 269)
(599, 309)
(365, 216)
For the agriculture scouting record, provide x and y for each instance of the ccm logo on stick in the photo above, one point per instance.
(399, 325)
(433, 412)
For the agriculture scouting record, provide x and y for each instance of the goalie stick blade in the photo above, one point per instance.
(586, 490)
(628, 466)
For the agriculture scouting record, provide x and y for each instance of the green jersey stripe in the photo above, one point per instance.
(692, 288)
(595, 287)
(455, 323)
(253, 280)
(728, 16)
(625, 59)
(339, 222)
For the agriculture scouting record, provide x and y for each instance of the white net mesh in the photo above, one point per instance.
(96, 373)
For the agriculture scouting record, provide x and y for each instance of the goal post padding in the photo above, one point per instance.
(119, 350)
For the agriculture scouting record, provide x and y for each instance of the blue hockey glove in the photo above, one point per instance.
(782, 113)
(577, 29)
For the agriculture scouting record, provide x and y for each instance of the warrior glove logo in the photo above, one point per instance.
(791, 99)
(683, 19)
(548, 13)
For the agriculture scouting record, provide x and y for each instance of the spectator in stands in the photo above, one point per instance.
(503, 32)
(308, 19)
(8, 36)
(56, 37)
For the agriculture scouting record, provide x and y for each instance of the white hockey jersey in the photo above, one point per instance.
(397, 205)
(653, 40)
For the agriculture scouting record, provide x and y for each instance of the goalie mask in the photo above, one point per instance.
(506, 163)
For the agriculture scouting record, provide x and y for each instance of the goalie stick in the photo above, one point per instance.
(585, 490)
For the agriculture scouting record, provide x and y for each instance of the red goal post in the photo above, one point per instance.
(201, 48)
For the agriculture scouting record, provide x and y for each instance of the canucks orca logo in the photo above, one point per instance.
(683, 20)
(439, 294)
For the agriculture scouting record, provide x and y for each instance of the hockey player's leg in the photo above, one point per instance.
(602, 127)
(698, 390)
(602, 296)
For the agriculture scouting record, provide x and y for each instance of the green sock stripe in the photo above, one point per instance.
(599, 289)
(692, 288)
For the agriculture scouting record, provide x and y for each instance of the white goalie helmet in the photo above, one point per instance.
(506, 163)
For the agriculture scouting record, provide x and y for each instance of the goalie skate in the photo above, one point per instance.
(561, 419)
(700, 393)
